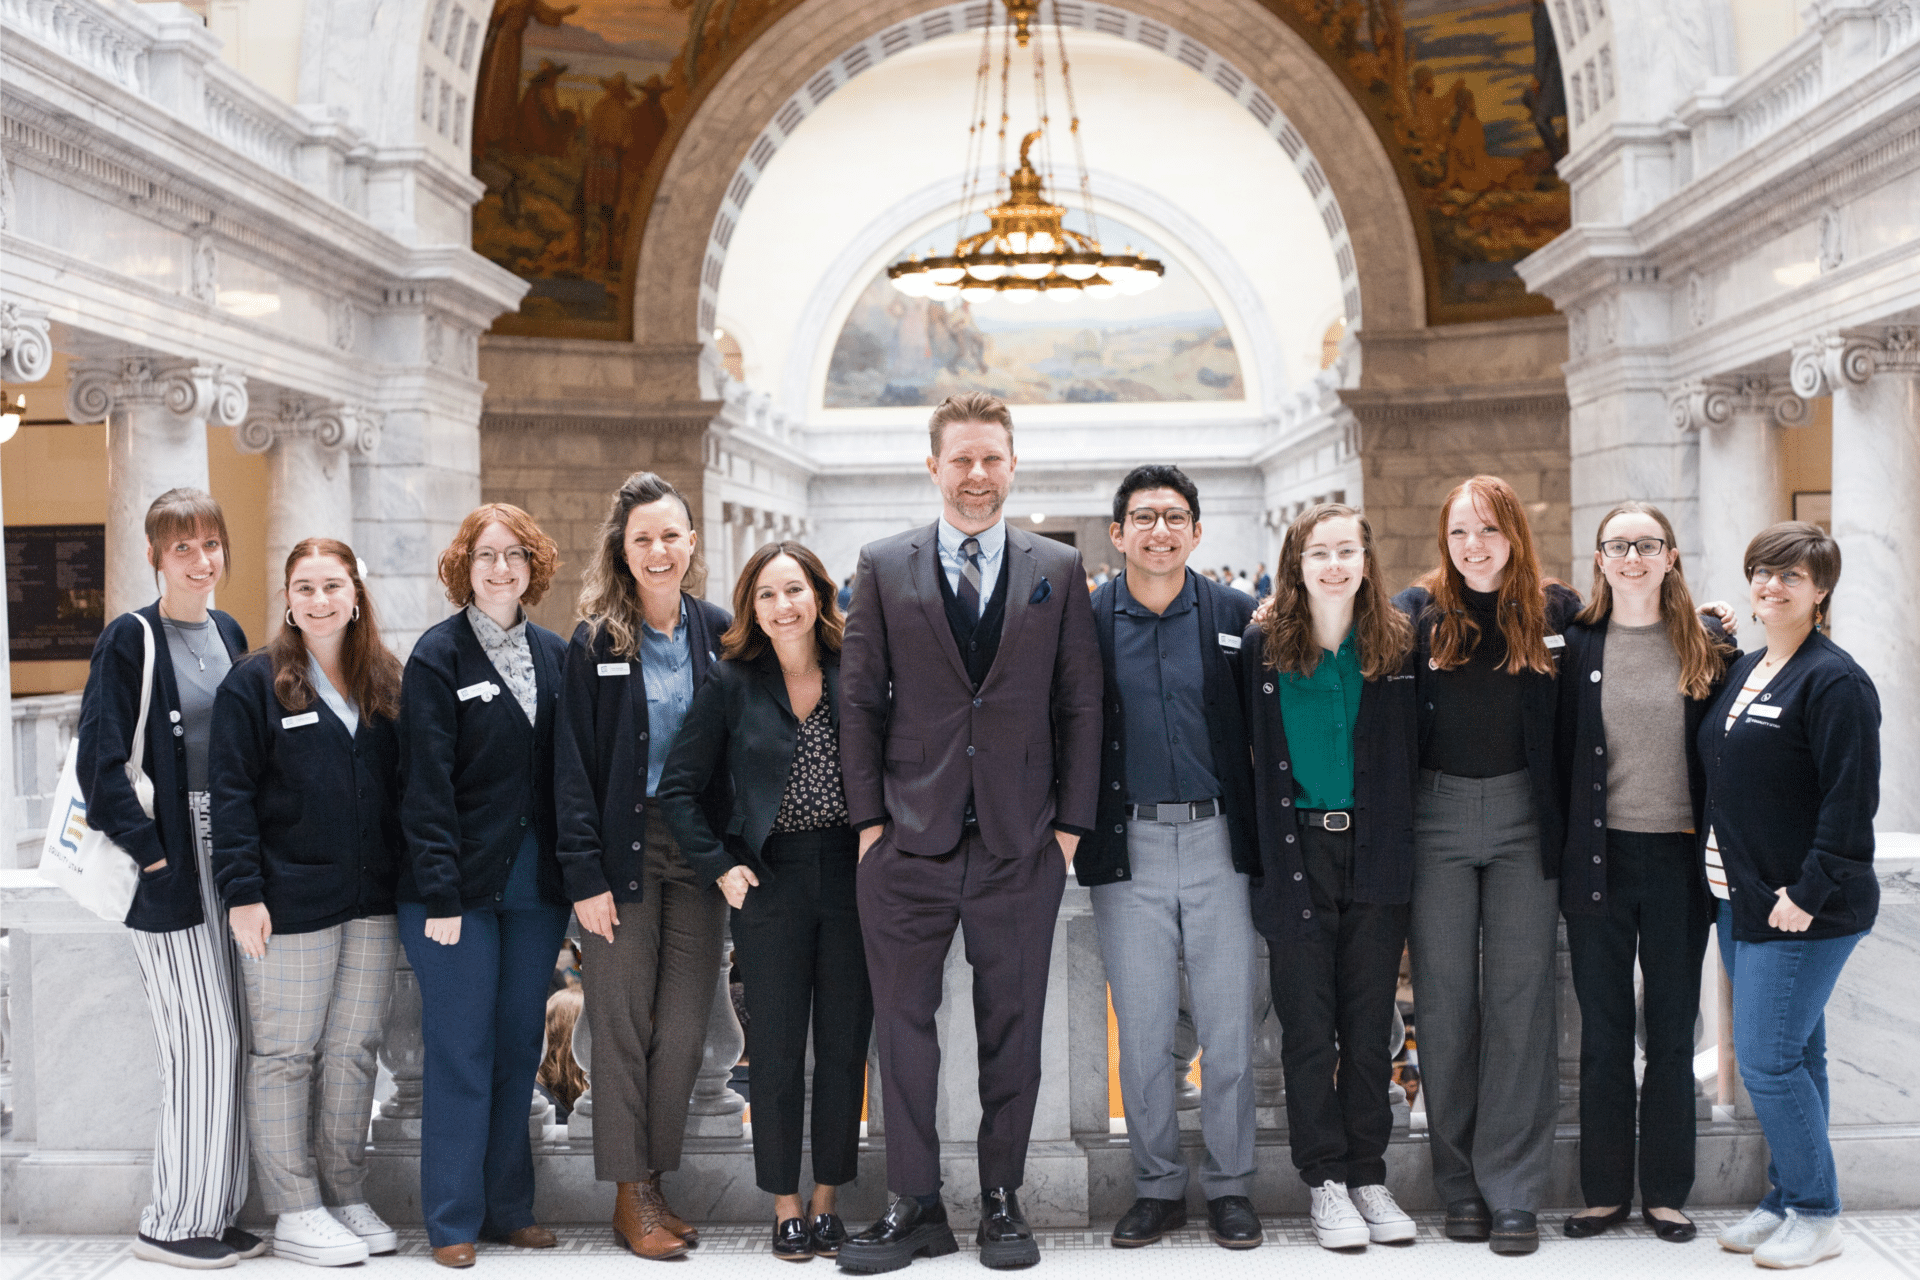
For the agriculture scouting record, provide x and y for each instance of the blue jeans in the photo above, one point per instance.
(1780, 993)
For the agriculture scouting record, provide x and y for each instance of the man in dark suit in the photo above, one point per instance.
(970, 746)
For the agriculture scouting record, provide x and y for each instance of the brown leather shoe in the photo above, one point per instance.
(454, 1255)
(533, 1237)
(671, 1220)
(637, 1223)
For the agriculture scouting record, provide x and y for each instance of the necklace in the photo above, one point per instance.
(199, 655)
(805, 671)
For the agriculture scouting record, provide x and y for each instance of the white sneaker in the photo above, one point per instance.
(1335, 1220)
(316, 1237)
(1801, 1242)
(1750, 1232)
(365, 1223)
(1386, 1222)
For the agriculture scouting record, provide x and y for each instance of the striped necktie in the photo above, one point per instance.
(970, 576)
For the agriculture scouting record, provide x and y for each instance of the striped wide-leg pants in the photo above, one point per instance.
(193, 987)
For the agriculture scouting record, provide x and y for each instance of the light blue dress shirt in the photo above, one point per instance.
(340, 704)
(993, 542)
(667, 667)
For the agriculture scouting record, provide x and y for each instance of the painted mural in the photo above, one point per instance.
(1472, 97)
(571, 106)
(1169, 344)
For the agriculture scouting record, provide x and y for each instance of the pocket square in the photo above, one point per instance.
(1041, 592)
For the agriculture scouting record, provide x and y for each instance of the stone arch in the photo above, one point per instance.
(807, 52)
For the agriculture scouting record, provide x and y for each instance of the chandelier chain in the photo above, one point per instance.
(976, 129)
(1006, 90)
(1040, 108)
(1073, 127)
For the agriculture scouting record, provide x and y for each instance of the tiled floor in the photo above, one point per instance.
(1880, 1246)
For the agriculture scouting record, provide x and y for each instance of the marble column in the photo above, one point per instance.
(1738, 420)
(1874, 378)
(157, 412)
(308, 445)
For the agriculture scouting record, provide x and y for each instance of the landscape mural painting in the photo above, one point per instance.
(1168, 344)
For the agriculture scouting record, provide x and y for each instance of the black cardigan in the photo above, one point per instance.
(305, 819)
(475, 774)
(1538, 709)
(1580, 764)
(167, 899)
(1791, 796)
(1222, 614)
(1386, 775)
(600, 756)
(742, 715)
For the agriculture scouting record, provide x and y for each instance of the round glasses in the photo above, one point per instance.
(1144, 518)
(1617, 548)
(516, 557)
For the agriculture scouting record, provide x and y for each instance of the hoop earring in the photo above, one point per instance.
(291, 622)
(356, 614)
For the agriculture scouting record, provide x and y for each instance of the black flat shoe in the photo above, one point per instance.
(1468, 1220)
(1671, 1232)
(792, 1242)
(1234, 1223)
(1581, 1227)
(1148, 1222)
(1004, 1237)
(1514, 1231)
(829, 1233)
(905, 1232)
(244, 1244)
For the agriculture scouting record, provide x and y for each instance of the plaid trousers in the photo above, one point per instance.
(318, 1004)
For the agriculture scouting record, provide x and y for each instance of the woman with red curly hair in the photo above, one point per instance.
(481, 906)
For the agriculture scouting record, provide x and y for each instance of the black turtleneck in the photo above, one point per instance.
(1477, 720)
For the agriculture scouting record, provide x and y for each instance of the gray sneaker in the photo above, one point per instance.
(1801, 1242)
(1751, 1231)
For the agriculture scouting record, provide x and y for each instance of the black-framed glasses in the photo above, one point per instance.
(1617, 548)
(1788, 578)
(1144, 518)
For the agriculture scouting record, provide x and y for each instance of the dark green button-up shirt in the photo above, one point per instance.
(1319, 712)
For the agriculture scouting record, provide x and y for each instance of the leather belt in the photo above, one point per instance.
(1327, 819)
(1182, 811)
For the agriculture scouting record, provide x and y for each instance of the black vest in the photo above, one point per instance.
(978, 640)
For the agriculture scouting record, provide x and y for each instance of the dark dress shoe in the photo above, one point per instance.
(905, 1232)
(792, 1242)
(829, 1233)
(1148, 1221)
(244, 1244)
(1584, 1226)
(1004, 1237)
(1235, 1224)
(1468, 1220)
(1514, 1231)
(1671, 1232)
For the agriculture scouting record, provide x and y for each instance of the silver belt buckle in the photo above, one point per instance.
(1346, 820)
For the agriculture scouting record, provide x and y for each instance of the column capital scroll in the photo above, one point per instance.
(341, 427)
(1830, 361)
(26, 349)
(184, 387)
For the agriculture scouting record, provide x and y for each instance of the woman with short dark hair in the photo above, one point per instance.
(1792, 754)
(767, 721)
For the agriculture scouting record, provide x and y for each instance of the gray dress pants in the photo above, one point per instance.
(1484, 922)
(1183, 895)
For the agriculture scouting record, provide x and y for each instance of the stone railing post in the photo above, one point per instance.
(1269, 1076)
(404, 1052)
(580, 1119)
(1569, 1014)
(716, 1110)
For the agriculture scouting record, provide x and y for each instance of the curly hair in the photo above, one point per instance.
(1380, 631)
(456, 562)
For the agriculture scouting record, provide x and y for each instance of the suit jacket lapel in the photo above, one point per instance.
(923, 569)
(768, 669)
(1022, 572)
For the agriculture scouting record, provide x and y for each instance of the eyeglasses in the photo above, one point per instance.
(1617, 548)
(1323, 556)
(516, 557)
(1788, 578)
(1144, 518)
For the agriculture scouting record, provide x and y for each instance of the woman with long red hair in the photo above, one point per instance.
(1487, 839)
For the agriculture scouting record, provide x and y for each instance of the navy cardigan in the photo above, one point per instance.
(1222, 614)
(1386, 775)
(475, 775)
(167, 899)
(600, 756)
(1580, 764)
(743, 718)
(1791, 792)
(305, 818)
(1538, 709)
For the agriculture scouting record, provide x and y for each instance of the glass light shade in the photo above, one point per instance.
(942, 292)
(946, 275)
(1033, 270)
(986, 270)
(1062, 293)
(1021, 297)
(1079, 270)
(1117, 273)
(914, 285)
(1017, 242)
(1042, 242)
(1099, 287)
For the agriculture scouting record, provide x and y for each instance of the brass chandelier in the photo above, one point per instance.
(1026, 252)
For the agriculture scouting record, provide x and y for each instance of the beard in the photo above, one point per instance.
(976, 508)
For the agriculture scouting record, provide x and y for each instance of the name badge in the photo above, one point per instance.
(1764, 713)
(1556, 642)
(1229, 642)
(485, 691)
(300, 721)
(616, 668)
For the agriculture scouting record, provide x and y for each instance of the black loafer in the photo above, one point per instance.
(1514, 1231)
(1004, 1237)
(244, 1244)
(905, 1232)
(792, 1242)
(1235, 1224)
(1671, 1232)
(1581, 1227)
(829, 1233)
(1468, 1220)
(1148, 1221)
